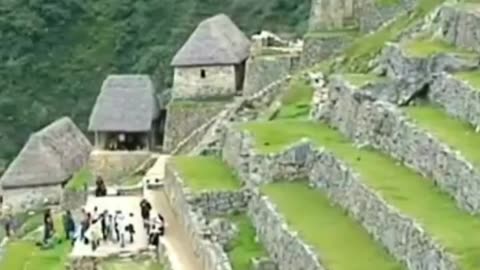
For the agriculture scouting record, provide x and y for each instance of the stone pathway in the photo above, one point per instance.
(176, 241)
(128, 204)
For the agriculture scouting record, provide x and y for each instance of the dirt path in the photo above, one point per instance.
(176, 241)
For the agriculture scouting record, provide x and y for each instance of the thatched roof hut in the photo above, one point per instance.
(49, 157)
(126, 103)
(215, 41)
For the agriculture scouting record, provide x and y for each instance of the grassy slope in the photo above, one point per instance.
(458, 134)
(472, 77)
(244, 247)
(427, 46)
(296, 101)
(25, 255)
(80, 179)
(334, 235)
(203, 173)
(57, 53)
(416, 196)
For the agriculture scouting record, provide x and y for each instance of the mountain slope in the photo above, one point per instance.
(54, 54)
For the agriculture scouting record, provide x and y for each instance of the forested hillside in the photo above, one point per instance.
(55, 53)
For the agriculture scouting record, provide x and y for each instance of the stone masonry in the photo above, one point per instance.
(386, 128)
(284, 245)
(457, 97)
(401, 235)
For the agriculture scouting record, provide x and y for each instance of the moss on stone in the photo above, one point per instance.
(360, 79)
(471, 77)
(426, 46)
(205, 173)
(333, 234)
(400, 186)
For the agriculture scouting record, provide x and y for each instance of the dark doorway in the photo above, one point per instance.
(239, 77)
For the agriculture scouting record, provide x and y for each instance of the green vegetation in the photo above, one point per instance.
(296, 101)
(458, 134)
(426, 46)
(205, 173)
(327, 228)
(366, 47)
(347, 31)
(414, 195)
(55, 54)
(25, 255)
(471, 77)
(130, 265)
(359, 80)
(244, 247)
(80, 180)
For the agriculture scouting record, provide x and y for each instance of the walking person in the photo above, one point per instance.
(110, 228)
(68, 226)
(85, 225)
(94, 234)
(145, 208)
(120, 226)
(103, 223)
(49, 228)
(130, 228)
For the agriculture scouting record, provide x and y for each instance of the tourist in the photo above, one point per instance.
(110, 228)
(8, 226)
(130, 228)
(68, 225)
(145, 208)
(120, 227)
(49, 228)
(85, 225)
(100, 189)
(94, 234)
(104, 221)
(95, 215)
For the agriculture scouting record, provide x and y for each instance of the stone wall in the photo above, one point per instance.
(283, 244)
(319, 46)
(24, 199)
(459, 24)
(220, 203)
(83, 263)
(113, 166)
(401, 235)
(457, 97)
(386, 128)
(263, 70)
(189, 84)
(211, 254)
(74, 199)
(373, 15)
(183, 117)
(243, 109)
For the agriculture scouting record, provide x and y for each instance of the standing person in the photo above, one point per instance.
(130, 228)
(100, 189)
(48, 226)
(94, 233)
(145, 208)
(85, 225)
(110, 228)
(8, 225)
(95, 214)
(120, 228)
(68, 225)
(104, 225)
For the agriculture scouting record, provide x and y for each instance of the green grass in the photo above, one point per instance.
(458, 134)
(472, 77)
(359, 79)
(244, 246)
(296, 101)
(130, 265)
(25, 255)
(427, 46)
(80, 180)
(342, 32)
(328, 229)
(368, 46)
(205, 173)
(414, 195)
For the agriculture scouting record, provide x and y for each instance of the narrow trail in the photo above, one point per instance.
(181, 254)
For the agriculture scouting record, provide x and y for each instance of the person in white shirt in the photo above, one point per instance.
(120, 225)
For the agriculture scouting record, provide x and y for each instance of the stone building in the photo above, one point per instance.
(212, 61)
(333, 14)
(127, 115)
(47, 161)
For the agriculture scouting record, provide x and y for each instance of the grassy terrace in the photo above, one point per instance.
(130, 265)
(328, 229)
(471, 77)
(427, 46)
(458, 134)
(244, 247)
(296, 101)
(25, 255)
(202, 173)
(401, 187)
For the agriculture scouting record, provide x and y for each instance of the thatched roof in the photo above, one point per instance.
(49, 157)
(126, 103)
(215, 41)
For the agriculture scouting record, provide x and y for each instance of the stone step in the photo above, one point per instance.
(404, 189)
(332, 234)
